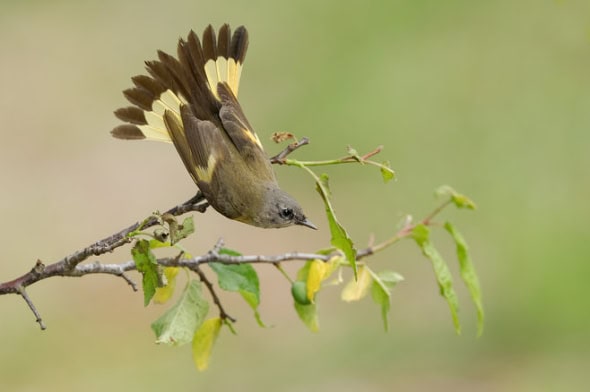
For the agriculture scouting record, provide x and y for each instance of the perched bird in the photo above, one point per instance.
(191, 101)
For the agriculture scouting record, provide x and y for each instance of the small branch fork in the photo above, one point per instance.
(71, 265)
(60, 268)
(281, 156)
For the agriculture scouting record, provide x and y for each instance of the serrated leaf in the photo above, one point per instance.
(468, 274)
(147, 265)
(383, 282)
(421, 235)
(178, 325)
(178, 232)
(203, 342)
(163, 294)
(359, 288)
(340, 238)
(386, 172)
(241, 278)
(309, 315)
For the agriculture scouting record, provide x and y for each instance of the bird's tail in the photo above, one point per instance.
(191, 79)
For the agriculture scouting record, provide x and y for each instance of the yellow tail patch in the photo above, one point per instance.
(223, 70)
(155, 128)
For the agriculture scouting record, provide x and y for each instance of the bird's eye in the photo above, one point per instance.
(286, 213)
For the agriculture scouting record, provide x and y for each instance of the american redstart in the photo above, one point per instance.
(192, 102)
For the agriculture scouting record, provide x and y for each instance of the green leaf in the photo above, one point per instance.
(340, 238)
(460, 201)
(421, 235)
(359, 288)
(240, 278)
(386, 172)
(163, 294)
(383, 282)
(146, 263)
(203, 342)
(468, 274)
(178, 232)
(229, 252)
(388, 279)
(178, 325)
(303, 272)
(155, 244)
(309, 315)
(325, 185)
(381, 298)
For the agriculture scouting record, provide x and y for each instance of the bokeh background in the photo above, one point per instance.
(490, 97)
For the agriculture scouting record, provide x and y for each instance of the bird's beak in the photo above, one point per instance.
(307, 222)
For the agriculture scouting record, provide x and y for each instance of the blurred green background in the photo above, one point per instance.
(490, 97)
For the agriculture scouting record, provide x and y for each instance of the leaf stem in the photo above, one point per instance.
(283, 272)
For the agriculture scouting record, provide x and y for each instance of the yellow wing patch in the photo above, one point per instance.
(253, 137)
(205, 174)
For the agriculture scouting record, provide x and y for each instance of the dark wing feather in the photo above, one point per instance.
(177, 134)
(234, 121)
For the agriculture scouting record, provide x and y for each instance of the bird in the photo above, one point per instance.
(191, 101)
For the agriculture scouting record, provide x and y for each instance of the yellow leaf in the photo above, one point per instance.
(163, 294)
(356, 290)
(318, 272)
(332, 265)
(203, 342)
(314, 278)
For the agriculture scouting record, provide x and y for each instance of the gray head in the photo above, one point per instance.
(281, 210)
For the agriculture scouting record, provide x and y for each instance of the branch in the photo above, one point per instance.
(70, 266)
(280, 157)
(222, 313)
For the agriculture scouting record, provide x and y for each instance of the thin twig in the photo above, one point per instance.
(280, 157)
(68, 266)
(222, 313)
(23, 293)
